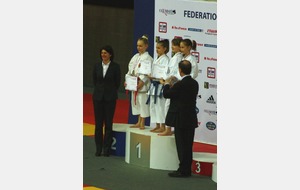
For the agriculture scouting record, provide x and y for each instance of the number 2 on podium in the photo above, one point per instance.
(113, 145)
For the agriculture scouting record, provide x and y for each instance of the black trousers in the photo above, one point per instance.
(184, 138)
(104, 113)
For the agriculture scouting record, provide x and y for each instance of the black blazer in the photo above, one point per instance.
(183, 97)
(106, 88)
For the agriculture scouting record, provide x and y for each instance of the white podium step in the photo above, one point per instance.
(214, 172)
(205, 157)
(145, 148)
(120, 127)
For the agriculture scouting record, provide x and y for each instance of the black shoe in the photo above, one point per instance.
(98, 154)
(106, 154)
(178, 174)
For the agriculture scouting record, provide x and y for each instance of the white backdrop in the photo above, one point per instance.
(195, 20)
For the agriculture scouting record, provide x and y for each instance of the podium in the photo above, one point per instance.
(119, 136)
(147, 149)
(214, 172)
(205, 164)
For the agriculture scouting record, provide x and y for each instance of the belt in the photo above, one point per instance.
(155, 85)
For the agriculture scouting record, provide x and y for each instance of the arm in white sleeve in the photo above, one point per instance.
(194, 72)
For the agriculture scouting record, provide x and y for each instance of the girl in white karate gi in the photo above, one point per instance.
(156, 99)
(173, 71)
(186, 45)
(139, 97)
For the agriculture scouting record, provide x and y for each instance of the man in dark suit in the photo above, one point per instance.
(106, 79)
(182, 115)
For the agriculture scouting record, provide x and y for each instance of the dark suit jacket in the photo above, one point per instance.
(183, 97)
(106, 88)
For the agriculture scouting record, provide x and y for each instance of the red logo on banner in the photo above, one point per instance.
(178, 28)
(162, 27)
(210, 58)
(211, 72)
(197, 56)
(211, 32)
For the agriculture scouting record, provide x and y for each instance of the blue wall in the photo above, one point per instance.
(143, 24)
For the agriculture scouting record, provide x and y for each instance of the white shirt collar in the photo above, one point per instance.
(105, 68)
(184, 76)
(105, 65)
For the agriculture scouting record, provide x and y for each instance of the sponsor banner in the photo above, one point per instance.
(208, 126)
(195, 20)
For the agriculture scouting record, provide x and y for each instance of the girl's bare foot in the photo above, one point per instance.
(156, 128)
(166, 133)
(159, 130)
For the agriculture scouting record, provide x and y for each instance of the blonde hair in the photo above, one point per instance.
(144, 38)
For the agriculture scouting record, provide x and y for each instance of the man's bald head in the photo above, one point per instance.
(185, 66)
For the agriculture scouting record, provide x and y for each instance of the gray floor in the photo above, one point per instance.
(113, 173)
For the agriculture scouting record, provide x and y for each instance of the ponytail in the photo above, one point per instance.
(189, 43)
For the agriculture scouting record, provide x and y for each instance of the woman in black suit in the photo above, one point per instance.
(182, 115)
(106, 79)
